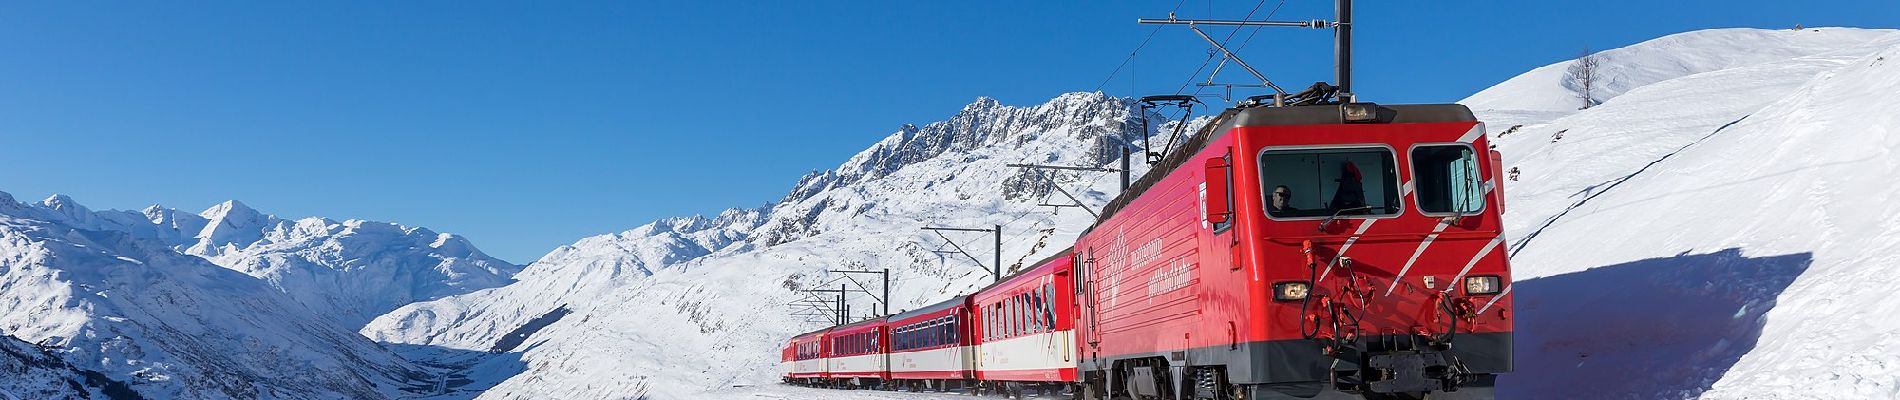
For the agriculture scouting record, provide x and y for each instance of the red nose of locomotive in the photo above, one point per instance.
(1383, 244)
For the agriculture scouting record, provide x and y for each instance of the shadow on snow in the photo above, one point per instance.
(1656, 328)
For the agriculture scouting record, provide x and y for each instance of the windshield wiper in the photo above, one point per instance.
(1329, 220)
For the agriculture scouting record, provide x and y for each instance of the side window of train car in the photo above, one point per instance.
(1015, 315)
(989, 317)
(1049, 313)
(1310, 183)
(1035, 311)
(1033, 308)
(988, 325)
(1009, 323)
(1446, 179)
(1029, 306)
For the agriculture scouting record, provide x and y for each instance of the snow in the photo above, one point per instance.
(1662, 59)
(33, 374)
(1719, 233)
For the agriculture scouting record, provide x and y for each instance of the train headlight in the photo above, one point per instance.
(1359, 112)
(1291, 291)
(1482, 285)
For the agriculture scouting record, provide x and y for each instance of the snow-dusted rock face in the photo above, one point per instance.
(172, 325)
(680, 306)
(1721, 228)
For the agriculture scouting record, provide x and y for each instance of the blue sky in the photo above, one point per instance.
(528, 125)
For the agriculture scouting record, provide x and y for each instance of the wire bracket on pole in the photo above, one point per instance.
(996, 270)
(1058, 185)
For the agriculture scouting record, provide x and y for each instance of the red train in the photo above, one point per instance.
(1335, 251)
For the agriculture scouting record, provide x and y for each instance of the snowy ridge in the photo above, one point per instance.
(1737, 206)
(706, 321)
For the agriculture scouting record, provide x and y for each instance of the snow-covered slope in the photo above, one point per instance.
(348, 271)
(1718, 229)
(682, 306)
(31, 373)
(172, 325)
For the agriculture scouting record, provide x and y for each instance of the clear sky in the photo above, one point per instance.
(528, 125)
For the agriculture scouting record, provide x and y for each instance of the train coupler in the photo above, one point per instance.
(1414, 371)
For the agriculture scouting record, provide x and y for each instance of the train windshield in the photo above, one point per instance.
(1447, 177)
(1318, 183)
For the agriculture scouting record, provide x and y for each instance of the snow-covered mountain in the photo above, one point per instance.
(226, 303)
(680, 306)
(1720, 227)
(350, 271)
(171, 325)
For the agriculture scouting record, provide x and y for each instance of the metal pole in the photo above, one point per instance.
(1125, 156)
(844, 314)
(887, 291)
(1342, 48)
(999, 253)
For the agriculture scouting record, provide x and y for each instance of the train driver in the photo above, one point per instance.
(1282, 200)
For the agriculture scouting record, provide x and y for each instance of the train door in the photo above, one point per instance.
(1090, 327)
(1217, 206)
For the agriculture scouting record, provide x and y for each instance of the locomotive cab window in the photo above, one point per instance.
(1318, 183)
(1446, 179)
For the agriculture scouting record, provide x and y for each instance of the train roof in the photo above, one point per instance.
(1032, 267)
(820, 330)
(1238, 117)
(940, 306)
(860, 324)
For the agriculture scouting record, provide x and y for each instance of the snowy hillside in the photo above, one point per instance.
(172, 325)
(682, 306)
(1720, 227)
(33, 374)
(349, 271)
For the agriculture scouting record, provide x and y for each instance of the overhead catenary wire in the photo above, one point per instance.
(1132, 54)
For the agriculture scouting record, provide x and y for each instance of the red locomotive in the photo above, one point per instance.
(1297, 246)
(1350, 249)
